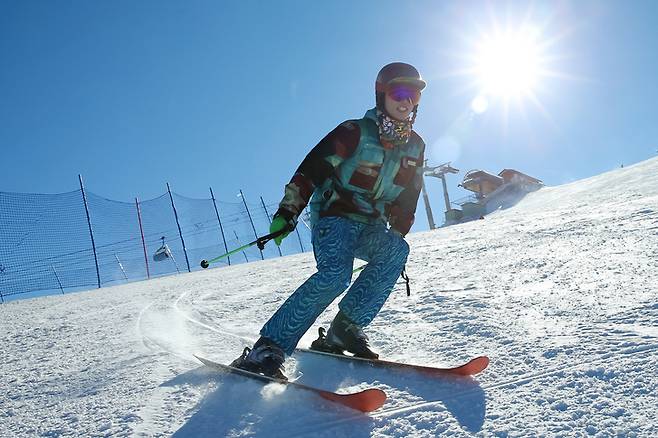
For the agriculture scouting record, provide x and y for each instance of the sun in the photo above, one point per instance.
(512, 66)
(509, 64)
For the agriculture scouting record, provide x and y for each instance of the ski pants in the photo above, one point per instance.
(336, 242)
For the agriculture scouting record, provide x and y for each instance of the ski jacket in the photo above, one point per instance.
(351, 174)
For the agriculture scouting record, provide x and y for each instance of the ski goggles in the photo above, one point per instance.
(400, 92)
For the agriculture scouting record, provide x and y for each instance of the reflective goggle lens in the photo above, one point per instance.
(404, 92)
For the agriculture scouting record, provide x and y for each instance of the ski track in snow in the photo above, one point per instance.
(530, 377)
(560, 291)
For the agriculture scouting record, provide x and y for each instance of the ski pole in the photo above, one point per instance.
(260, 242)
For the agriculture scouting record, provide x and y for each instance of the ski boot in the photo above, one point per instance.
(264, 358)
(344, 335)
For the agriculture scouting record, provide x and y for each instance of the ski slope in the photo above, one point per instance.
(561, 292)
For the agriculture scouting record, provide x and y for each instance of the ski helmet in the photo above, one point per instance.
(396, 73)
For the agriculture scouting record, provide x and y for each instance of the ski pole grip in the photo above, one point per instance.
(263, 240)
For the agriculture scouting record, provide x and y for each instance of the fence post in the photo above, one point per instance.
(299, 236)
(180, 232)
(121, 267)
(252, 222)
(141, 230)
(212, 195)
(270, 221)
(2, 271)
(240, 244)
(91, 232)
(57, 277)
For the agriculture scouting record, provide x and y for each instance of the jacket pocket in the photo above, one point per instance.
(365, 177)
(408, 168)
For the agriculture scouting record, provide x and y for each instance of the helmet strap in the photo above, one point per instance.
(414, 113)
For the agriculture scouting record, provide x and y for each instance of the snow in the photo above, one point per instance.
(560, 292)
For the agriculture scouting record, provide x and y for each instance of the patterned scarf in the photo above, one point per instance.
(394, 132)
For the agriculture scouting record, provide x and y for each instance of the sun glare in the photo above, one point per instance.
(509, 65)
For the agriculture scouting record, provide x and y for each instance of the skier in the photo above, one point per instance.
(364, 175)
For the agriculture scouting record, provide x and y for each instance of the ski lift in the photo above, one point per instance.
(162, 253)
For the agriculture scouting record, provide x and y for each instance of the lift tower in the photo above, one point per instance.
(437, 172)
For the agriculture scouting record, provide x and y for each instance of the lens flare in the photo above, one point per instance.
(446, 148)
(480, 104)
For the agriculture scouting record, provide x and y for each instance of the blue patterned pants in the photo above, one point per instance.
(336, 242)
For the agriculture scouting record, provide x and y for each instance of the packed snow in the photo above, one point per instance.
(561, 292)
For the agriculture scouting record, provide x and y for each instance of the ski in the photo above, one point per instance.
(470, 368)
(367, 400)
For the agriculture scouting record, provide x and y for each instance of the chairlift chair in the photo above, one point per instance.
(164, 253)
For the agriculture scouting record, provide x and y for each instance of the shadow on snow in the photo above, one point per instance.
(236, 406)
(461, 396)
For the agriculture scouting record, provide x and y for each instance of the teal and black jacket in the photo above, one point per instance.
(351, 174)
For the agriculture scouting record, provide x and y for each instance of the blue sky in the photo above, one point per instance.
(234, 94)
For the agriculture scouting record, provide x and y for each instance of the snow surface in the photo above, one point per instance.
(560, 291)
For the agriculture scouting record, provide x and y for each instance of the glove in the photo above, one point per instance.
(280, 223)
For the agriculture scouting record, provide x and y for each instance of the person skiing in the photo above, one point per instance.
(363, 181)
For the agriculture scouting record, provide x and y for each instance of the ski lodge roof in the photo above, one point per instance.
(511, 175)
(481, 182)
